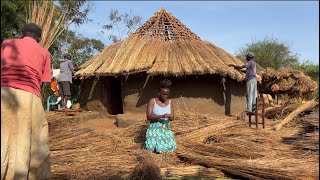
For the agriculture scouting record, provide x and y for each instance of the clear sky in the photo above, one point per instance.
(227, 24)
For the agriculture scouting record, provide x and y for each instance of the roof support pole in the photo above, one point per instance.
(144, 85)
(93, 85)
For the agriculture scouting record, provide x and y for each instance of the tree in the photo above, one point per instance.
(121, 24)
(73, 8)
(80, 47)
(270, 52)
(11, 27)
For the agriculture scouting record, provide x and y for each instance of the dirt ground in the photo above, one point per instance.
(99, 125)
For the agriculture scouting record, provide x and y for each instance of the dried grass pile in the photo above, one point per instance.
(281, 112)
(306, 139)
(80, 153)
(245, 153)
(146, 169)
(286, 81)
(207, 145)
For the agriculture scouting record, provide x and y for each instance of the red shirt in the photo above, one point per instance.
(25, 65)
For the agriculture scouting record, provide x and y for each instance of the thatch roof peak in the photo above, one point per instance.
(165, 27)
(162, 46)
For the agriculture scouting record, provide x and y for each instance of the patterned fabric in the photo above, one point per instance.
(159, 136)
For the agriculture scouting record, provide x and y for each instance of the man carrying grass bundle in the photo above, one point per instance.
(25, 66)
(251, 82)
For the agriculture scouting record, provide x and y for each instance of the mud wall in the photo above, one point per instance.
(205, 94)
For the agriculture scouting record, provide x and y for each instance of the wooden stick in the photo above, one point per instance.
(293, 114)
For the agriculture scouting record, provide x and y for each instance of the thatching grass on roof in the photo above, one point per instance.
(176, 58)
(164, 46)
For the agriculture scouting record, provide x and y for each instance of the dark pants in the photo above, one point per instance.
(64, 88)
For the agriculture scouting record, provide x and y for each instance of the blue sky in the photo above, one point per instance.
(227, 24)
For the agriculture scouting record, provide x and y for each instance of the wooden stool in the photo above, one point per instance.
(259, 107)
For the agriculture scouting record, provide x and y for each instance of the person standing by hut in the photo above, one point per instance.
(159, 137)
(251, 82)
(65, 79)
(25, 66)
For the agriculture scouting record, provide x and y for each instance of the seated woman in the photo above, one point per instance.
(159, 137)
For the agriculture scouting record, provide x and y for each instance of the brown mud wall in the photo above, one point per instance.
(205, 94)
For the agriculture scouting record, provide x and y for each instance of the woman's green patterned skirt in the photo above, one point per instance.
(159, 137)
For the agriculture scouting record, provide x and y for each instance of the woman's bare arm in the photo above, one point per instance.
(171, 118)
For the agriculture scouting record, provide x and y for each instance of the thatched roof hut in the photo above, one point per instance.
(163, 46)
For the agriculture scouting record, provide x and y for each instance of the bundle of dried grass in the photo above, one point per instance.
(296, 112)
(147, 169)
(280, 112)
(52, 22)
(190, 171)
(286, 81)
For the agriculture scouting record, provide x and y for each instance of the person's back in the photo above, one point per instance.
(66, 70)
(24, 65)
(65, 79)
(251, 70)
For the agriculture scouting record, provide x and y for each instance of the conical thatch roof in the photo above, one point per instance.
(163, 45)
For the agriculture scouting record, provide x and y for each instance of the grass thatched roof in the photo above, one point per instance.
(162, 46)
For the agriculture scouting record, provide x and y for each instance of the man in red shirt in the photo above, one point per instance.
(25, 66)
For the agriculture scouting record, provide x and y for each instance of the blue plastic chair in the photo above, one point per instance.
(51, 101)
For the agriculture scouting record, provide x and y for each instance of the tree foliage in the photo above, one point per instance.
(270, 52)
(121, 24)
(77, 11)
(13, 15)
(81, 48)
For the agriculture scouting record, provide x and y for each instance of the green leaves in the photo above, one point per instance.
(270, 52)
(13, 15)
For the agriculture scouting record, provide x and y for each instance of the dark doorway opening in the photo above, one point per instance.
(114, 94)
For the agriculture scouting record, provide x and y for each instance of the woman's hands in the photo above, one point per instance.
(169, 116)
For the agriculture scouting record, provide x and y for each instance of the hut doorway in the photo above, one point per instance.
(115, 105)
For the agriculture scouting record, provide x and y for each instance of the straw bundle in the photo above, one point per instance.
(146, 169)
(281, 112)
(52, 22)
(191, 171)
(286, 81)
